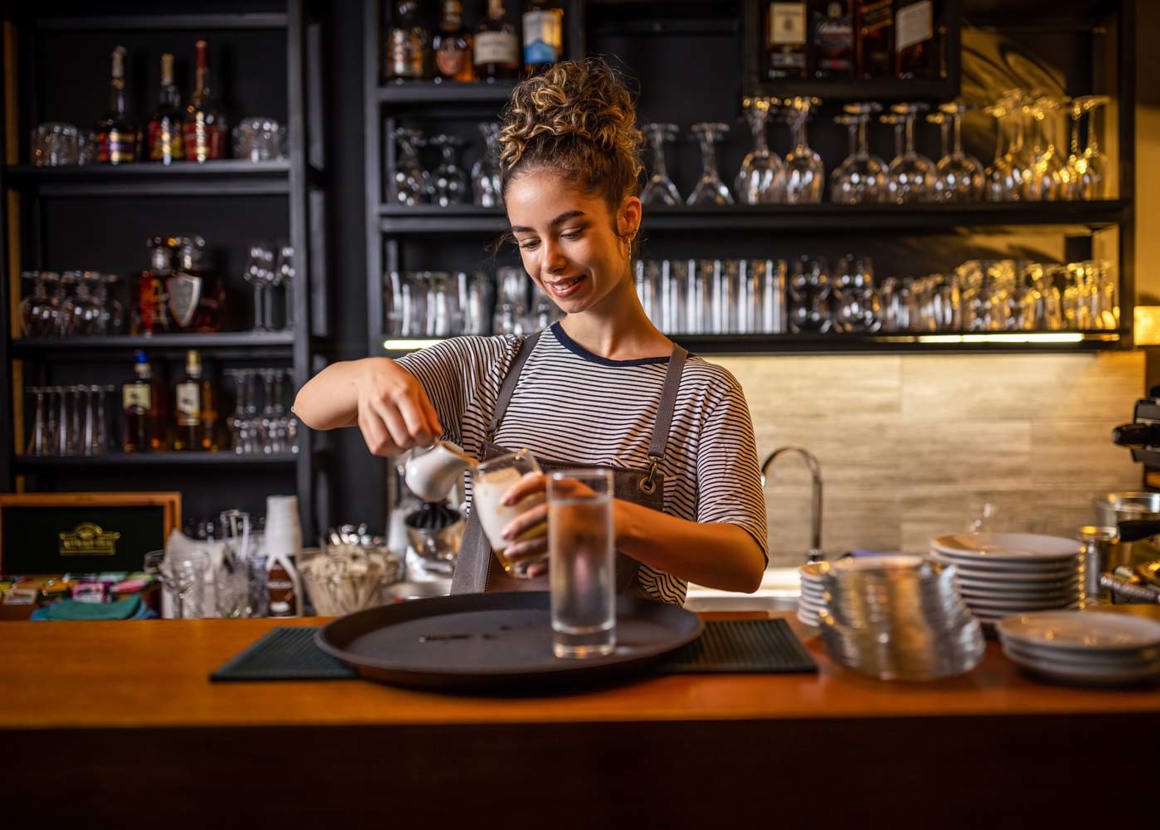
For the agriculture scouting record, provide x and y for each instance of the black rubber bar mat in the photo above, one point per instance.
(725, 646)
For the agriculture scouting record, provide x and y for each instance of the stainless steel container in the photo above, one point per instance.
(1132, 514)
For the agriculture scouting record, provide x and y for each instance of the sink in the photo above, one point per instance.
(779, 591)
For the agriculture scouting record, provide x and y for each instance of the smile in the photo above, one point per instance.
(566, 287)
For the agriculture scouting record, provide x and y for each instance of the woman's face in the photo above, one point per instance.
(567, 240)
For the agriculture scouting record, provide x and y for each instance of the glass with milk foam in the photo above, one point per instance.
(490, 482)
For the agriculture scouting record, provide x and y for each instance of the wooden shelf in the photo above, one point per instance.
(429, 92)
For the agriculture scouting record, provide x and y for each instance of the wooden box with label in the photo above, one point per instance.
(53, 533)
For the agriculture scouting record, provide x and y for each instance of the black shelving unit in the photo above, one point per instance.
(695, 61)
(274, 68)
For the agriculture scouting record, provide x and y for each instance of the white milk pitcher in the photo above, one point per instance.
(431, 472)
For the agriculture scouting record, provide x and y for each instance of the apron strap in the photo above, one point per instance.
(664, 419)
(509, 384)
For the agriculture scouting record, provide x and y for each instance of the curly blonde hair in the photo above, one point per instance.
(577, 118)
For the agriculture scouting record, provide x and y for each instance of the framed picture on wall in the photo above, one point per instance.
(56, 533)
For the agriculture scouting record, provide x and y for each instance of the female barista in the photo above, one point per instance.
(602, 387)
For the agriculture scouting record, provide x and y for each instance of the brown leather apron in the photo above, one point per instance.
(476, 568)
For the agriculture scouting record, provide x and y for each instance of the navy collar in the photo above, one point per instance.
(578, 350)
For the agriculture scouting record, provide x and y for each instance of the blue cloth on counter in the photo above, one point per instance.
(129, 608)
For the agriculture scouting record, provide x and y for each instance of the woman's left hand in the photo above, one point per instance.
(529, 530)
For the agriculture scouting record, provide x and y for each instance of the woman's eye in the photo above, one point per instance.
(571, 235)
(530, 244)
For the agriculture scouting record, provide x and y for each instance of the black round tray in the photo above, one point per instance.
(496, 641)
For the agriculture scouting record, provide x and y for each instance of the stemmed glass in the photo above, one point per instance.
(856, 303)
(1089, 167)
(861, 177)
(1048, 177)
(449, 185)
(1001, 180)
(260, 274)
(273, 412)
(910, 176)
(762, 176)
(112, 312)
(38, 310)
(710, 190)
(958, 177)
(659, 189)
(410, 179)
(805, 174)
(284, 274)
(83, 312)
(809, 293)
(485, 173)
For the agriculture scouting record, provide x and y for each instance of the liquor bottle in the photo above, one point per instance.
(873, 38)
(406, 52)
(543, 35)
(497, 47)
(143, 408)
(205, 124)
(117, 137)
(451, 46)
(164, 132)
(152, 313)
(915, 55)
(195, 412)
(195, 299)
(831, 39)
(786, 41)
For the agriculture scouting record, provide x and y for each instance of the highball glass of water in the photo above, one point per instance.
(582, 567)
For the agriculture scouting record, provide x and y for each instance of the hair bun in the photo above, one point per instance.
(573, 102)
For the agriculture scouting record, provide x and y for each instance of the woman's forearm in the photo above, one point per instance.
(716, 555)
(329, 399)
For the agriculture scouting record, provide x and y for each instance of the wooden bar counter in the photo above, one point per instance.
(117, 723)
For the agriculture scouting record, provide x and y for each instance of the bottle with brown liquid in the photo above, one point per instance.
(143, 409)
(195, 422)
(915, 50)
(497, 46)
(452, 46)
(543, 35)
(164, 133)
(205, 124)
(873, 38)
(407, 46)
(831, 39)
(785, 41)
(117, 138)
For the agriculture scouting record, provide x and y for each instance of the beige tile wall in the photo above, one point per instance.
(911, 446)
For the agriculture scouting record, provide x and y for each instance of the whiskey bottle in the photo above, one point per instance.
(873, 38)
(117, 138)
(205, 124)
(143, 410)
(194, 298)
(164, 132)
(915, 55)
(786, 41)
(831, 39)
(543, 35)
(152, 313)
(451, 46)
(195, 412)
(406, 52)
(497, 48)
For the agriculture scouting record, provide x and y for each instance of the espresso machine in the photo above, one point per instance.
(1134, 558)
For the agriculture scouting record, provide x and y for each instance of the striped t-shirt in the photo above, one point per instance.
(574, 406)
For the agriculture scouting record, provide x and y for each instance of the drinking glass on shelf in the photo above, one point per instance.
(761, 179)
(861, 177)
(1048, 177)
(442, 311)
(958, 177)
(1002, 182)
(259, 272)
(543, 311)
(1089, 166)
(710, 190)
(259, 139)
(409, 183)
(273, 420)
(660, 189)
(672, 281)
(449, 185)
(82, 314)
(54, 145)
(68, 282)
(485, 173)
(41, 441)
(88, 146)
(910, 176)
(809, 291)
(855, 301)
(511, 306)
(284, 274)
(39, 311)
(805, 174)
(475, 300)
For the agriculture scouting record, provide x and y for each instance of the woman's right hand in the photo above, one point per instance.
(394, 412)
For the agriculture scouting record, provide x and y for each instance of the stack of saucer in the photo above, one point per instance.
(898, 618)
(813, 597)
(1001, 574)
(1084, 646)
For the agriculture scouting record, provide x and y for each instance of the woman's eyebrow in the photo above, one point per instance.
(559, 220)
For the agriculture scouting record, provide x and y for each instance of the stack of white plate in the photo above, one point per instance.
(813, 597)
(1001, 574)
(1084, 646)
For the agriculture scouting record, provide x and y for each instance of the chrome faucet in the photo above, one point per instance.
(814, 554)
